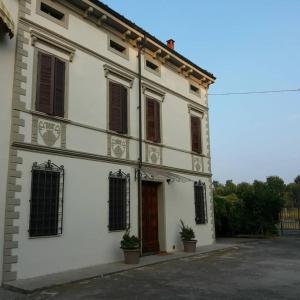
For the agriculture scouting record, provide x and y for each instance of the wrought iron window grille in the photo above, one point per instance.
(46, 203)
(119, 201)
(200, 202)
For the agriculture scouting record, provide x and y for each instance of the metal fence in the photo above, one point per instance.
(290, 220)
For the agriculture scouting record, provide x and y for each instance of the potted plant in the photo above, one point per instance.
(131, 248)
(188, 237)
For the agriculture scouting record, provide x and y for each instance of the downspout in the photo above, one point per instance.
(140, 46)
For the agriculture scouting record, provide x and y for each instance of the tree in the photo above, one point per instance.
(218, 188)
(229, 188)
(294, 192)
(297, 179)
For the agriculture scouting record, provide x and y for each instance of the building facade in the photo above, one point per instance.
(105, 129)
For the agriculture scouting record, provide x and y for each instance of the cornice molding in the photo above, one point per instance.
(147, 87)
(125, 76)
(84, 155)
(39, 37)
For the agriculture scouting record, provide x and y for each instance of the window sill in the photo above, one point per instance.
(197, 153)
(154, 143)
(157, 73)
(44, 115)
(124, 135)
(44, 236)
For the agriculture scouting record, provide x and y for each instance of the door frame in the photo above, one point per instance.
(161, 215)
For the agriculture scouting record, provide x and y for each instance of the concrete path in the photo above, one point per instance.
(262, 269)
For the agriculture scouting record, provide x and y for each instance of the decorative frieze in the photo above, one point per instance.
(117, 146)
(48, 133)
(197, 163)
(153, 154)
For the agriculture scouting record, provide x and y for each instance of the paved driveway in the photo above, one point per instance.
(268, 269)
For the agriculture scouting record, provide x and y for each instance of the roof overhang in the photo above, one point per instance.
(6, 21)
(102, 15)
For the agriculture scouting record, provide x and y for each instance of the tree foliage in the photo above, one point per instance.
(252, 208)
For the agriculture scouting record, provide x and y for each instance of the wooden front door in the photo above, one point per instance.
(150, 217)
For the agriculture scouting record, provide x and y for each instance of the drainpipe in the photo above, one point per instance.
(140, 46)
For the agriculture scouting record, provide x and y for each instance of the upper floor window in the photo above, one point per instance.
(118, 120)
(152, 65)
(194, 89)
(153, 120)
(196, 134)
(52, 11)
(46, 203)
(50, 94)
(117, 46)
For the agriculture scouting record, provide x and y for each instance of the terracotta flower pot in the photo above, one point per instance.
(131, 256)
(189, 246)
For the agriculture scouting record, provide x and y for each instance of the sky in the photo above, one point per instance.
(249, 46)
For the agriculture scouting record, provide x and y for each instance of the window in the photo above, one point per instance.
(118, 108)
(50, 95)
(117, 46)
(46, 204)
(196, 134)
(194, 89)
(119, 201)
(51, 11)
(153, 120)
(200, 203)
(152, 65)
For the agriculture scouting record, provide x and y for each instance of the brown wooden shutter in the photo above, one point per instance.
(157, 121)
(123, 94)
(118, 108)
(153, 120)
(196, 134)
(150, 120)
(59, 88)
(114, 107)
(45, 83)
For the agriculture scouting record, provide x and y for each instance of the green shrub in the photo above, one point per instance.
(130, 241)
(186, 232)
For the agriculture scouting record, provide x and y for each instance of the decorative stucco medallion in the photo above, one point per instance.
(153, 154)
(118, 147)
(48, 133)
(197, 163)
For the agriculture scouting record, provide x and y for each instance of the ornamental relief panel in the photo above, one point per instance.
(118, 147)
(197, 163)
(153, 154)
(48, 133)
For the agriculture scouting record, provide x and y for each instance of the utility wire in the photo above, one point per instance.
(253, 92)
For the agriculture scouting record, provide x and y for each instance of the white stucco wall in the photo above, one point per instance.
(86, 240)
(7, 56)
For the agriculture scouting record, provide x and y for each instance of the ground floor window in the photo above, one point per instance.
(119, 201)
(46, 203)
(200, 203)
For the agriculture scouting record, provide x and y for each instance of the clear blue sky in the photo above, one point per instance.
(248, 45)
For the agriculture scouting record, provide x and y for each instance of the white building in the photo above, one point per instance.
(93, 144)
